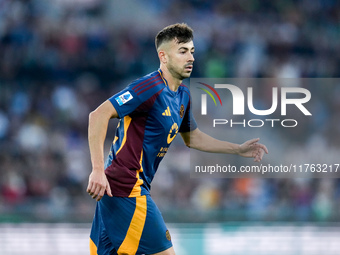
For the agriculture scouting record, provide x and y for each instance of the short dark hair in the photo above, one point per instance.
(180, 31)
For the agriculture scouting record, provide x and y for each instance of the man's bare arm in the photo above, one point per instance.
(98, 124)
(199, 140)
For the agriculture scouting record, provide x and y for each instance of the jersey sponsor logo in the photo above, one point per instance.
(162, 152)
(167, 112)
(181, 111)
(124, 98)
(172, 133)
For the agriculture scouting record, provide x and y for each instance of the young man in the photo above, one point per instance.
(152, 110)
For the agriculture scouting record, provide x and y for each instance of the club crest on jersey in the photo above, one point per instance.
(167, 234)
(123, 98)
(181, 111)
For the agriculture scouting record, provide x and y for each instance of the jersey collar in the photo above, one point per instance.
(161, 74)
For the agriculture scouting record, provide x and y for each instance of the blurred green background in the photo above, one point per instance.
(60, 59)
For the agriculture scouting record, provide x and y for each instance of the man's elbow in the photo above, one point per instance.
(186, 139)
(187, 143)
(97, 116)
(93, 115)
(104, 112)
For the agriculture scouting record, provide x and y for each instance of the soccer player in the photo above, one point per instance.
(152, 110)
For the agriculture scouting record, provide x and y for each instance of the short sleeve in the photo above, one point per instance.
(125, 101)
(188, 123)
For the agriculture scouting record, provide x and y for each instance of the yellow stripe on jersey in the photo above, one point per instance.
(127, 121)
(116, 137)
(93, 248)
(134, 233)
(161, 74)
(136, 191)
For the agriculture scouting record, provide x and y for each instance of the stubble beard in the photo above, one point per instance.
(178, 72)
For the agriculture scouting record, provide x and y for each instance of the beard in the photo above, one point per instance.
(179, 72)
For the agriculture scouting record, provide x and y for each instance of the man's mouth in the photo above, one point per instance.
(188, 67)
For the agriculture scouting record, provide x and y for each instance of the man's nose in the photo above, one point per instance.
(191, 59)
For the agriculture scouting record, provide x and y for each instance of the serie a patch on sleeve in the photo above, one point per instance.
(124, 98)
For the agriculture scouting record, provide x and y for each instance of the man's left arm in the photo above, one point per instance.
(199, 140)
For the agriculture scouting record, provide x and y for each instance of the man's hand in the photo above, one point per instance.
(98, 184)
(252, 149)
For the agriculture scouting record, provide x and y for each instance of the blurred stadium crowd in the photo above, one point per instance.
(60, 59)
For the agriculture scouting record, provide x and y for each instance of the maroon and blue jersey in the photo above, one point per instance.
(151, 115)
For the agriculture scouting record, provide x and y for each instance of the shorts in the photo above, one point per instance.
(128, 225)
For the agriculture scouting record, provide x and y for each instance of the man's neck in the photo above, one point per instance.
(173, 82)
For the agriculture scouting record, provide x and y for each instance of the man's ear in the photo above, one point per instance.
(162, 56)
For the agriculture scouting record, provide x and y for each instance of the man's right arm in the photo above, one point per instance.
(98, 124)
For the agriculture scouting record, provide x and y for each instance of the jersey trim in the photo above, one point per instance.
(150, 87)
(141, 86)
(134, 233)
(137, 190)
(127, 121)
(149, 83)
(145, 82)
(161, 74)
